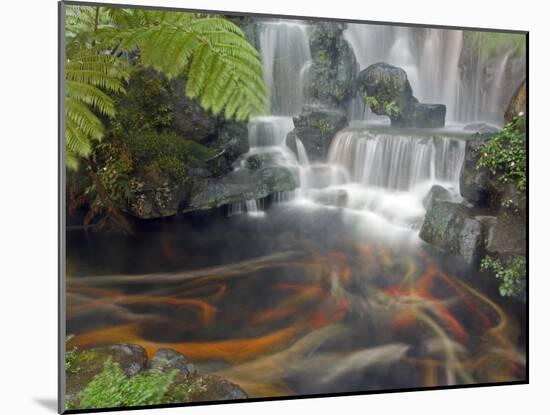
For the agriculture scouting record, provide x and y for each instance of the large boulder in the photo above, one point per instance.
(517, 104)
(241, 185)
(451, 228)
(333, 67)
(316, 127)
(387, 91)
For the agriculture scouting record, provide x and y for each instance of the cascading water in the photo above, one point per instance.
(434, 60)
(380, 178)
(284, 46)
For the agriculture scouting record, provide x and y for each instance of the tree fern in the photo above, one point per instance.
(223, 71)
(212, 52)
(88, 75)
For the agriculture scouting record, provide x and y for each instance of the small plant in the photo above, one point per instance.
(70, 355)
(506, 154)
(510, 274)
(372, 102)
(112, 388)
(391, 108)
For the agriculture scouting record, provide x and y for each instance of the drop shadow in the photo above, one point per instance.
(48, 403)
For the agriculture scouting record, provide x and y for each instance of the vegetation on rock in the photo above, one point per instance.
(505, 154)
(511, 273)
(112, 388)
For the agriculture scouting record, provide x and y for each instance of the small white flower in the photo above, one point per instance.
(513, 163)
(521, 114)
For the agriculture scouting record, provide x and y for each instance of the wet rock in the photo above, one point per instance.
(86, 364)
(477, 184)
(241, 185)
(155, 197)
(517, 104)
(168, 360)
(333, 66)
(481, 128)
(215, 388)
(436, 194)
(316, 127)
(387, 91)
(450, 227)
(233, 140)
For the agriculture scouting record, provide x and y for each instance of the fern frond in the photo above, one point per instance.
(213, 53)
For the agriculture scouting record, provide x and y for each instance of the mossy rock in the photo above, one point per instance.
(86, 364)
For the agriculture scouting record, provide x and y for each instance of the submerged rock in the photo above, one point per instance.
(450, 227)
(316, 127)
(387, 91)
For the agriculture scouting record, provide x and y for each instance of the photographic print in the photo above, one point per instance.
(257, 207)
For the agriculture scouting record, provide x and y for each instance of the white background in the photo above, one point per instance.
(28, 204)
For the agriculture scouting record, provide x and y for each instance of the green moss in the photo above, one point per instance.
(112, 388)
(390, 108)
(166, 153)
(145, 106)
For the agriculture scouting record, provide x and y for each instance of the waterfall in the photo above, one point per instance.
(472, 90)
(284, 46)
(303, 159)
(397, 161)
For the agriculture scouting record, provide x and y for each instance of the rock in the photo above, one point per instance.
(190, 120)
(508, 235)
(155, 197)
(477, 185)
(481, 128)
(333, 67)
(316, 127)
(387, 91)
(215, 388)
(86, 364)
(517, 104)
(168, 360)
(436, 194)
(233, 140)
(241, 185)
(449, 227)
